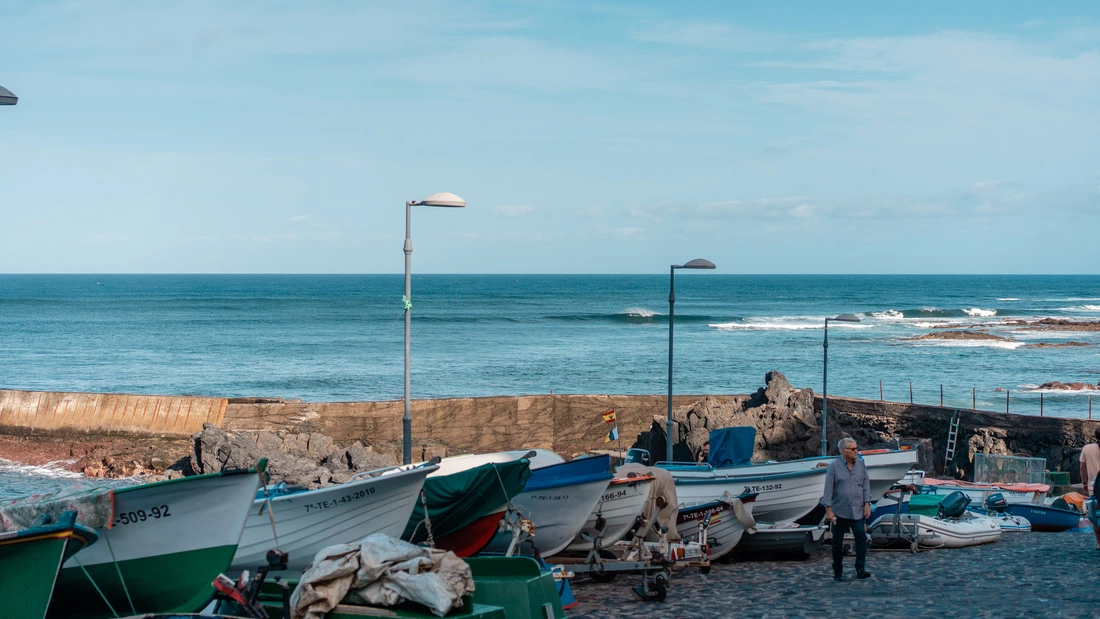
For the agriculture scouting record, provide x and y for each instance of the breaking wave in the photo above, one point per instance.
(979, 312)
(968, 344)
(888, 314)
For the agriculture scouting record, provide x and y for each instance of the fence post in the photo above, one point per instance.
(941, 395)
(1008, 392)
(910, 392)
(1040, 404)
(974, 398)
(880, 390)
(1090, 408)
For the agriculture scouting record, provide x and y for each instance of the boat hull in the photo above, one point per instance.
(724, 532)
(771, 542)
(308, 521)
(783, 496)
(934, 532)
(170, 539)
(558, 514)
(470, 539)
(620, 506)
(1045, 518)
(29, 564)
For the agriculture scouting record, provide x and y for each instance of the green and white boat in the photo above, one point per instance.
(30, 560)
(167, 543)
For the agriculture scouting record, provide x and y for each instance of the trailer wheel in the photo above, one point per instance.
(704, 570)
(603, 577)
(660, 592)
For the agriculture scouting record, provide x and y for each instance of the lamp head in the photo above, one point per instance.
(845, 318)
(698, 263)
(7, 97)
(443, 198)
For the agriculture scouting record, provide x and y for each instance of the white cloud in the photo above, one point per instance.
(513, 211)
(297, 219)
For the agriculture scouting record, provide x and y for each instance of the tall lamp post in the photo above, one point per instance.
(436, 199)
(698, 263)
(7, 98)
(825, 380)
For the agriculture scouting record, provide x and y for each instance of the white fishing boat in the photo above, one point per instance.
(772, 540)
(168, 542)
(782, 496)
(307, 521)
(933, 532)
(621, 504)
(729, 516)
(538, 458)
(558, 500)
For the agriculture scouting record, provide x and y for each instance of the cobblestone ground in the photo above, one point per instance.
(1022, 575)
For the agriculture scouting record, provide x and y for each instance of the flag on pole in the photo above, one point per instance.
(609, 416)
(612, 435)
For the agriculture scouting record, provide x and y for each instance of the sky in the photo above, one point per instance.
(586, 137)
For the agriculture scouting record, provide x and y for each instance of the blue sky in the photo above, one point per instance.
(782, 137)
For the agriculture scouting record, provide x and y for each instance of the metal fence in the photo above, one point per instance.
(1030, 408)
(994, 469)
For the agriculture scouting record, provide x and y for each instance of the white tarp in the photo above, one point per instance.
(662, 486)
(381, 571)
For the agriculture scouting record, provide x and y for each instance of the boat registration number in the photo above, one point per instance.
(558, 497)
(763, 488)
(614, 495)
(141, 515)
(347, 498)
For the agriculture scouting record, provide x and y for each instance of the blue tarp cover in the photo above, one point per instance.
(731, 446)
(579, 471)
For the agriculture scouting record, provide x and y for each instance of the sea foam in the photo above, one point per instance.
(979, 312)
(895, 314)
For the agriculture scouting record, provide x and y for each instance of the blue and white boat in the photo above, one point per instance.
(784, 495)
(558, 499)
(1045, 517)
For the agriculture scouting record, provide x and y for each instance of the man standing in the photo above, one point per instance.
(848, 505)
(1090, 466)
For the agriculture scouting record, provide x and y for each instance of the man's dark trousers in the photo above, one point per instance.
(842, 526)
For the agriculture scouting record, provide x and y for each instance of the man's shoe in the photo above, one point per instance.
(863, 575)
(838, 578)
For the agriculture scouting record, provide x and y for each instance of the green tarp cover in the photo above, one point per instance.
(925, 504)
(457, 500)
(94, 508)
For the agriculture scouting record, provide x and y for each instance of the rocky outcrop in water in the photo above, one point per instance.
(1055, 385)
(967, 334)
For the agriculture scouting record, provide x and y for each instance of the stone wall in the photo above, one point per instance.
(51, 411)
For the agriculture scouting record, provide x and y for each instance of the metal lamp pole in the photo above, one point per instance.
(825, 380)
(436, 199)
(698, 263)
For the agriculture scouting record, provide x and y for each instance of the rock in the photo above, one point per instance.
(319, 445)
(1068, 386)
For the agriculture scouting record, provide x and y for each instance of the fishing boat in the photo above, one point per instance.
(167, 542)
(885, 467)
(772, 540)
(306, 521)
(30, 560)
(558, 500)
(729, 518)
(464, 503)
(1045, 518)
(978, 492)
(784, 494)
(618, 508)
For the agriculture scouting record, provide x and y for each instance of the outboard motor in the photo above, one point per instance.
(637, 456)
(996, 502)
(954, 505)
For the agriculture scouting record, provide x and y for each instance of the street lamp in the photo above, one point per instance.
(436, 199)
(698, 263)
(825, 379)
(7, 98)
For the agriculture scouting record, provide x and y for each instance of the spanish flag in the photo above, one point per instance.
(613, 435)
(609, 416)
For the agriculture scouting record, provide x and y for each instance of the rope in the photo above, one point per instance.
(270, 514)
(406, 302)
(97, 589)
(118, 570)
(427, 519)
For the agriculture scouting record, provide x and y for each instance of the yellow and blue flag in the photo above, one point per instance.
(609, 416)
(613, 435)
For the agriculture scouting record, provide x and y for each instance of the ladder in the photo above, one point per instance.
(952, 437)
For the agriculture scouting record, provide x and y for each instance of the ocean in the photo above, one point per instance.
(340, 337)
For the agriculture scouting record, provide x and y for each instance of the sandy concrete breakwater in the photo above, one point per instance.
(787, 419)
